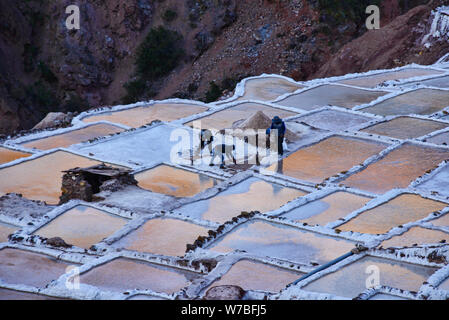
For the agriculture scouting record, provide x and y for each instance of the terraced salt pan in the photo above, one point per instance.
(398, 168)
(371, 81)
(6, 294)
(226, 118)
(266, 239)
(444, 285)
(148, 147)
(162, 236)
(73, 137)
(7, 155)
(398, 211)
(140, 116)
(327, 158)
(440, 82)
(250, 195)
(5, 230)
(124, 274)
(333, 95)
(421, 101)
(334, 120)
(350, 280)
(23, 267)
(330, 208)
(442, 138)
(41, 178)
(405, 128)
(82, 226)
(251, 275)
(438, 182)
(416, 235)
(173, 181)
(268, 88)
(441, 222)
(383, 296)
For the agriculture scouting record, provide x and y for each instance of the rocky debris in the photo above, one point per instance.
(55, 119)
(57, 242)
(13, 205)
(436, 258)
(227, 292)
(84, 183)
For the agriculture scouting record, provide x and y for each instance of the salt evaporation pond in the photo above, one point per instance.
(405, 128)
(174, 181)
(266, 239)
(333, 95)
(82, 226)
(398, 168)
(123, 274)
(252, 275)
(32, 269)
(398, 211)
(249, 195)
(327, 209)
(67, 139)
(350, 280)
(139, 116)
(327, 158)
(162, 236)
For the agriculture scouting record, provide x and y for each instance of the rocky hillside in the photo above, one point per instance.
(140, 49)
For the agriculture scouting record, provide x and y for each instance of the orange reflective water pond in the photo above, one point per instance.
(7, 155)
(327, 158)
(421, 101)
(328, 209)
(444, 285)
(351, 280)
(372, 81)
(23, 267)
(333, 95)
(405, 128)
(416, 235)
(173, 181)
(140, 116)
(277, 241)
(398, 168)
(268, 88)
(41, 178)
(5, 230)
(82, 226)
(226, 118)
(398, 211)
(252, 275)
(73, 137)
(124, 274)
(162, 236)
(249, 195)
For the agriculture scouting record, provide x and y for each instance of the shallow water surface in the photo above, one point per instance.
(398, 211)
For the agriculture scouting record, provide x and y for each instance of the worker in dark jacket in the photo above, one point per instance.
(279, 125)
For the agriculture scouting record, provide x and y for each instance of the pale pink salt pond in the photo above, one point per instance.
(123, 274)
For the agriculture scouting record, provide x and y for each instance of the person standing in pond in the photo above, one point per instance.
(279, 125)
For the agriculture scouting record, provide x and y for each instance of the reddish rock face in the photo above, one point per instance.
(46, 67)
